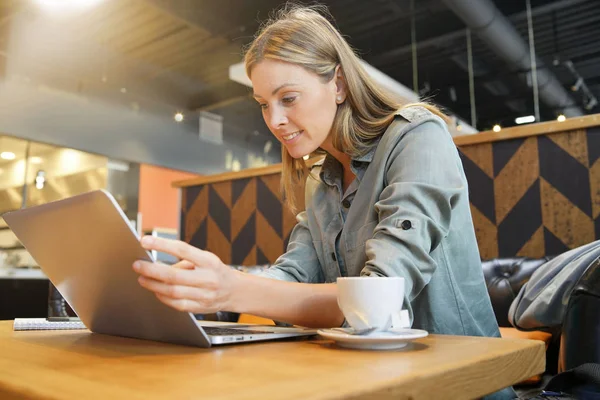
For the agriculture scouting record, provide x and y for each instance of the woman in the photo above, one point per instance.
(389, 199)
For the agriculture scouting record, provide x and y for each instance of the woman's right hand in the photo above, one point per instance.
(200, 283)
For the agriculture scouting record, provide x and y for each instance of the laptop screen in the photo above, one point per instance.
(167, 234)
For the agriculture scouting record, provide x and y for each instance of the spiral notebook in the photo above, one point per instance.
(43, 324)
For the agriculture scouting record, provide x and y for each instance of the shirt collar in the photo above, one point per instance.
(331, 169)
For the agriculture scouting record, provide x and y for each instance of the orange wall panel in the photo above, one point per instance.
(158, 201)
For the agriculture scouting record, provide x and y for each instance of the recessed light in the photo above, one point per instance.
(178, 117)
(7, 155)
(525, 120)
(62, 5)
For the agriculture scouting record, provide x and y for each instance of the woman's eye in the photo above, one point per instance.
(263, 106)
(288, 100)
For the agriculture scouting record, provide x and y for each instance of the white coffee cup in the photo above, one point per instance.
(371, 302)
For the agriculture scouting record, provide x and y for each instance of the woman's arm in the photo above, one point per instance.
(312, 305)
(415, 209)
(201, 283)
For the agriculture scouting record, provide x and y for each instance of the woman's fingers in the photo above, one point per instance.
(198, 283)
(173, 291)
(184, 264)
(174, 276)
(180, 250)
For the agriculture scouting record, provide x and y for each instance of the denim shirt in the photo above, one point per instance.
(406, 214)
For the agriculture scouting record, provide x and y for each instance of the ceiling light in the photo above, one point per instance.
(117, 165)
(40, 179)
(178, 117)
(35, 160)
(7, 155)
(561, 118)
(525, 120)
(70, 160)
(66, 5)
(123, 90)
(497, 128)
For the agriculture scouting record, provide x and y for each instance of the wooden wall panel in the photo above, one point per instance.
(530, 196)
(546, 195)
(243, 221)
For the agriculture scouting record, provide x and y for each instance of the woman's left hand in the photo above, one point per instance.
(199, 283)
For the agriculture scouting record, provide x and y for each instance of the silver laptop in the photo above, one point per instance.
(86, 247)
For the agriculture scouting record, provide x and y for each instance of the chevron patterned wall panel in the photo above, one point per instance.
(532, 196)
(535, 196)
(243, 221)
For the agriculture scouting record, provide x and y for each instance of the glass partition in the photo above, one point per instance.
(33, 173)
(13, 153)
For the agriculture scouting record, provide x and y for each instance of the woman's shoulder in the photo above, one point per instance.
(414, 118)
(416, 114)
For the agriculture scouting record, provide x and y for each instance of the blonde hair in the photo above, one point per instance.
(302, 35)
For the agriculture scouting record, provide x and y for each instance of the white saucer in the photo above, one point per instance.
(389, 340)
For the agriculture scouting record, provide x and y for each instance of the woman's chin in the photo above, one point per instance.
(298, 153)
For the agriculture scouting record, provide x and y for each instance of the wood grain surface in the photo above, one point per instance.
(80, 364)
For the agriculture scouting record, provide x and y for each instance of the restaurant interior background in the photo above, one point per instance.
(132, 95)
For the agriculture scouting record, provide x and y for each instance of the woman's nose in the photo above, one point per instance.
(277, 118)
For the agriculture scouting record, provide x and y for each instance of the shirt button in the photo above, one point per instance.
(333, 256)
(406, 225)
(346, 204)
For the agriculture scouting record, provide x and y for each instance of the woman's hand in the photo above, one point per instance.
(200, 283)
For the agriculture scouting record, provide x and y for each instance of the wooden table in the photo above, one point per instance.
(83, 365)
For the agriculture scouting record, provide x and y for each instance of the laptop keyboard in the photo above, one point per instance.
(218, 331)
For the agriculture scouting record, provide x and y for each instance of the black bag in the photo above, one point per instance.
(582, 382)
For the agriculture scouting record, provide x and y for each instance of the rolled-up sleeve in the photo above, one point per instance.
(424, 181)
(300, 262)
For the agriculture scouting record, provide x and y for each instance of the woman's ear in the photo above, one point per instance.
(340, 85)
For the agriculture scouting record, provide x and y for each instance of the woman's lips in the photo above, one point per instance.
(291, 137)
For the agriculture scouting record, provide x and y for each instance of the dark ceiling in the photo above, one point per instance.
(175, 54)
(381, 32)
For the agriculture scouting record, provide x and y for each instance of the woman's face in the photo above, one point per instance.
(298, 107)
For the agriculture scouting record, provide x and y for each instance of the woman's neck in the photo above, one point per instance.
(344, 159)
